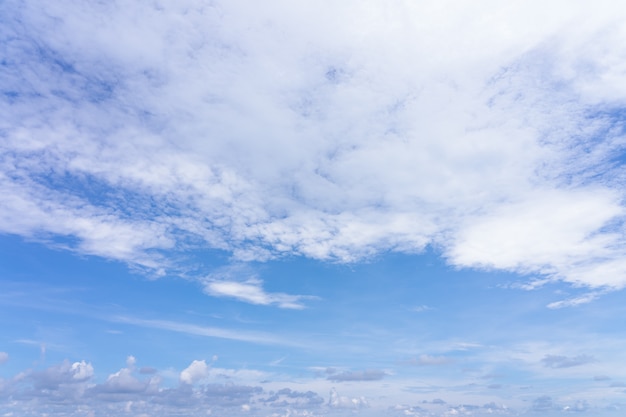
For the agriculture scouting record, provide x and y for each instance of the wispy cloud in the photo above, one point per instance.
(576, 301)
(241, 283)
(369, 375)
(429, 360)
(558, 361)
(194, 329)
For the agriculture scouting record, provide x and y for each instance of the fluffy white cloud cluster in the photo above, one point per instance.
(71, 389)
(332, 131)
(194, 372)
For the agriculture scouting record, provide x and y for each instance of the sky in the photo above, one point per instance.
(312, 208)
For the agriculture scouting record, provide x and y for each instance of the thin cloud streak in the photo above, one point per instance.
(193, 329)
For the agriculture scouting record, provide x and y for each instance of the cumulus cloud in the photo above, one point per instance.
(318, 131)
(68, 388)
(64, 373)
(3, 357)
(286, 397)
(121, 382)
(196, 371)
(73, 388)
(339, 401)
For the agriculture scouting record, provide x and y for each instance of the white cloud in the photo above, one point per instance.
(340, 401)
(251, 291)
(81, 371)
(553, 232)
(335, 132)
(124, 382)
(196, 371)
(3, 357)
(207, 331)
(62, 374)
(130, 362)
(369, 375)
(241, 283)
(576, 301)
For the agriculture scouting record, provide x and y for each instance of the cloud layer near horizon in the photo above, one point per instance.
(330, 131)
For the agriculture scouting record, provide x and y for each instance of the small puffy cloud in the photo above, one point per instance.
(557, 361)
(65, 373)
(196, 371)
(3, 357)
(122, 382)
(81, 371)
(338, 401)
(579, 406)
(369, 375)
(131, 361)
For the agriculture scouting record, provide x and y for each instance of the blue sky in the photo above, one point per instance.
(372, 208)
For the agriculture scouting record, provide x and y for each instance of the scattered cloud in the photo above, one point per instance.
(369, 375)
(557, 361)
(277, 130)
(286, 397)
